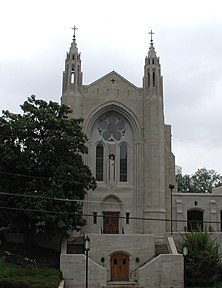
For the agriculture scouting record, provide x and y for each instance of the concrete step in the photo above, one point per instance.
(161, 249)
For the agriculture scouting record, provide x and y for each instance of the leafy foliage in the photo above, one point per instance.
(202, 181)
(43, 177)
(203, 259)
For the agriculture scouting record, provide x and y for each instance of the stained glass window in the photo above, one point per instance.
(99, 162)
(123, 163)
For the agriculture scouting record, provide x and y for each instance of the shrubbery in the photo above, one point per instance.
(202, 264)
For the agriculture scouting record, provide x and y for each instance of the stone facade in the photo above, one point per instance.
(130, 156)
(145, 270)
(204, 208)
(118, 115)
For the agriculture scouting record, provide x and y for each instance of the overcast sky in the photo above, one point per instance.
(113, 35)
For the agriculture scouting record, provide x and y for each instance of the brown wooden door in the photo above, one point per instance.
(111, 222)
(119, 267)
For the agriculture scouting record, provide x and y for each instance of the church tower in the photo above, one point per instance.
(154, 144)
(72, 80)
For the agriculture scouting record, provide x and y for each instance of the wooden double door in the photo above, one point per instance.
(119, 267)
(111, 222)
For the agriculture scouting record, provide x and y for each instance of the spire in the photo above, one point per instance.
(72, 75)
(152, 73)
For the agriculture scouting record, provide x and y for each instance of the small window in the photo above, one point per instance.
(123, 163)
(153, 61)
(99, 162)
(94, 217)
(127, 218)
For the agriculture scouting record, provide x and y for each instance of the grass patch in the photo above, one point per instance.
(30, 282)
(37, 271)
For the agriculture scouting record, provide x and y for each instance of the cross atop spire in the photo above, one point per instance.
(151, 33)
(74, 33)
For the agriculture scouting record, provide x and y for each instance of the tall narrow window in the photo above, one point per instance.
(72, 77)
(94, 217)
(72, 80)
(148, 79)
(127, 217)
(154, 77)
(123, 163)
(99, 162)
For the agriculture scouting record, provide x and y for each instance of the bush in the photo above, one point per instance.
(203, 259)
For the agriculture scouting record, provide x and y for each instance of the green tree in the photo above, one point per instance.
(43, 179)
(203, 260)
(202, 181)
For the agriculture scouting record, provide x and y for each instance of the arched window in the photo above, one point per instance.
(123, 163)
(72, 80)
(99, 162)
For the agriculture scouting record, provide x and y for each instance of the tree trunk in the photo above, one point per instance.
(29, 230)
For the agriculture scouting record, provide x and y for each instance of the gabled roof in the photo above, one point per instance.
(112, 74)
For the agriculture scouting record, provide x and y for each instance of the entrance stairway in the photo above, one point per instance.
(75, 245)
(161, 249)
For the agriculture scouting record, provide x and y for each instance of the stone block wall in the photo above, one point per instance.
(165, 271)
(73, 269)
(139, 246)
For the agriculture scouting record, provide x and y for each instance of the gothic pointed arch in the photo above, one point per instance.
(111, 202)
(114, 134)
(117, 107)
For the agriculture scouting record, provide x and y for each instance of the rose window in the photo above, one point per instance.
(112, 128)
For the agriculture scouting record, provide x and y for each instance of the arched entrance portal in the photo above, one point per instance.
(195, 220)
(119, 267)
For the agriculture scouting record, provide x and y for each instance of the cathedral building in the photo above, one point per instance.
(129, 153)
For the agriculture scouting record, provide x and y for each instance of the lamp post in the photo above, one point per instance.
(171, 186)
(87, 248)
(185, 253)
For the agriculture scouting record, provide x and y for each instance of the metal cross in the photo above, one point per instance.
(74, 34)
(113, 80)
(151, 33)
